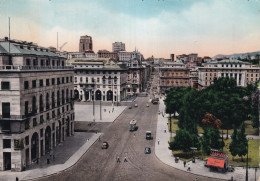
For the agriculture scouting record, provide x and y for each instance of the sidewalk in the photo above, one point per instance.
(198, 168)
(71, 150)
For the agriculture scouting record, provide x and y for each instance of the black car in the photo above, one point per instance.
(147, 150)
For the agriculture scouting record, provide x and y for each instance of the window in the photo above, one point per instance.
(28, 62)
(41, 132)
(70, 78)
(41, 119)
(34, 84)
(34, 122)
(6, 143)
(41, 83)
(47, 82)
(63, 80)
(5, 85)
(75, 79)
(26, 106)
(27, 126)
(47, 116)
(6, 109)
(58, 81)
(26, 85)
(27, 140)
(67, 79)
(53, 126)
(53, 81)
(53, 114)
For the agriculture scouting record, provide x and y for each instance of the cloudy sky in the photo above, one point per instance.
(154, 27)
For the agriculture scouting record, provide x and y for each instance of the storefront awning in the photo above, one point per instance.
(216, 162)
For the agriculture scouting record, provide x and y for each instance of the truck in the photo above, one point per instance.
(133, 126)
(148, 135)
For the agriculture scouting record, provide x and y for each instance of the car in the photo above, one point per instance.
(104, 145)
(130, 107)
(147, 150)
(147, 105)
(136, 105)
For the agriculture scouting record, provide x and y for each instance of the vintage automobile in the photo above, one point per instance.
(104, 145)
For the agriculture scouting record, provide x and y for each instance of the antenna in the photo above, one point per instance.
(57, 41)
(9, 34)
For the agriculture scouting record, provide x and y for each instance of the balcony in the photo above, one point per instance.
(33, 68)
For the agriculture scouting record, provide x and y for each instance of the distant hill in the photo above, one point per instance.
(241, 55)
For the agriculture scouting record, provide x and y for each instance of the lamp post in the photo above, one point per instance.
(245, 98)
(93, 97)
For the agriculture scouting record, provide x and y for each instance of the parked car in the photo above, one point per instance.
(147, 150)
(104, 145)
(136, 105)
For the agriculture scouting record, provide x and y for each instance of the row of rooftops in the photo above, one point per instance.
(16, 47)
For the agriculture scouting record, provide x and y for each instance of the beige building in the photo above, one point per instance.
(85, 44)
(173, 74)
(36, 103)
(99, 79)
(243, 72)
(107, 54)
(118, 46)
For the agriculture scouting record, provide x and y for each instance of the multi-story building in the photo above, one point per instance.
(99, 79)
(107, 54)
(85, 44)
(118, 46)
(82, 55)
(36, 106)
(173, 74)
(243, 72)
(124, 56)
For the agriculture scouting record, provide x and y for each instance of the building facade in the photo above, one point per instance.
(118, 46)
(107, 54)
(124, 56)
(36, 103)
(99, 79)
(173, 74)
(243, 72)
(85, 44)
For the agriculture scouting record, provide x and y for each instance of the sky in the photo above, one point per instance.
(154, 27)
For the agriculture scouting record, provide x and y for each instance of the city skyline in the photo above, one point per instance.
(154, 27)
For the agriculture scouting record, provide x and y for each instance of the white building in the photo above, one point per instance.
(124, 56)
(118, 46)
(99, 79)
(243, 72)
(82, 55)
(36, 103)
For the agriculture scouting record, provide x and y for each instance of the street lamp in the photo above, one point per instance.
(245, 98)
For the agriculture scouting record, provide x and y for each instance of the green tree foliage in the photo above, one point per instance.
(255, 109)
(173, 99)
(189, 115)
(242, 142)
(234, 145)
(184, 140)
(210, 140)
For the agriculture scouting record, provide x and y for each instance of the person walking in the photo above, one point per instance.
(125, 160)
(188, 167)
(158, 141)
(184, 163)
(118, 159)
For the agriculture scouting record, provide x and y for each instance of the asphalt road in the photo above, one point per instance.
(101, 165)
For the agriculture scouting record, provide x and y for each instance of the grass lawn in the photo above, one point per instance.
(249, 129)
(253, 156)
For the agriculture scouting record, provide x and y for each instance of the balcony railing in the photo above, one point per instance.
(33, 68)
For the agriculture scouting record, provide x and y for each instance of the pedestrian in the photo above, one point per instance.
(125, 160)
(118, 159)
(99, 138)
(16, 179)
(53, 157)
(158, 141)
(184, 163)
(188, 167)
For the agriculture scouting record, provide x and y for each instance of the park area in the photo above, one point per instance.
(253, 151)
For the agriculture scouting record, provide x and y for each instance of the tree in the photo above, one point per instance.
(255, 109)
(234, 145)
(242, 142)
(173, 99)
(184, 140)
(211, 120)
(210, 140)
